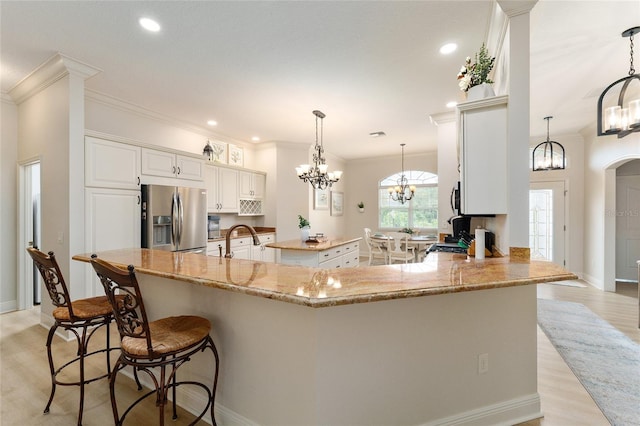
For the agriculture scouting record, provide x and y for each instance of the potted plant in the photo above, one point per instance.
(304, 226)
(477, 75)
(361, 207)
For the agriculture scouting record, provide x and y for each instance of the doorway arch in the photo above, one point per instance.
(609, 238)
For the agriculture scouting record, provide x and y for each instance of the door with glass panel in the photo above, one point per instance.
(547, 221)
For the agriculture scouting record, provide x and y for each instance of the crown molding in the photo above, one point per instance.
(516, 7)
(6, 99)
(442, 117)
(484, 103)
(52, 70)
(130, 108)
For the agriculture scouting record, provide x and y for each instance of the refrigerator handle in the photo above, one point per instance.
(180, 219)
(174, 220)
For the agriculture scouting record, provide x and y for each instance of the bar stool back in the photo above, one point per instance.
(81, 317)
(146, 345)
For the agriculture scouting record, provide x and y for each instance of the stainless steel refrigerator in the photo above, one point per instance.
(174, 218)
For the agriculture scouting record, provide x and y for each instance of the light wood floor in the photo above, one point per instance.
(25, 383)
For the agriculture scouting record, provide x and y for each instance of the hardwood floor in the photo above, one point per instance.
(25, 383)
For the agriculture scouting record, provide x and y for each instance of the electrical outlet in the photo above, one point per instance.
(483, 363)
(60, 237)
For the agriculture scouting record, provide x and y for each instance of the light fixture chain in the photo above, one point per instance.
(632, 70)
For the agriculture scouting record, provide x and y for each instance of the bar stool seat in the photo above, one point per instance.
(169, 335)
(82, 317)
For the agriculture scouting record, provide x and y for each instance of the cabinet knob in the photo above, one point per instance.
(178, 170)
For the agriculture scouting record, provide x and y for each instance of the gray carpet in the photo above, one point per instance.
(606, 362)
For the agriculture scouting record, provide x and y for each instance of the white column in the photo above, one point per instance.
(517, 226)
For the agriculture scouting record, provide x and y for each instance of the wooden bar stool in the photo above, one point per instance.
(165, 344)
(81, 317)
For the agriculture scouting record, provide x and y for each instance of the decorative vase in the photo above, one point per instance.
(304, 233)
(480, 91)
(361, 209)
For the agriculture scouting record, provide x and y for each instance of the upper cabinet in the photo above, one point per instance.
(222, 189)
(483, 156)
(111, 164)
(252, 189)
(252, 185)
(167, 164)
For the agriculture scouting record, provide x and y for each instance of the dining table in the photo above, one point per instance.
(417, 241)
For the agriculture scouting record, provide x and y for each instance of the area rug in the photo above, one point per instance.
(606, 362)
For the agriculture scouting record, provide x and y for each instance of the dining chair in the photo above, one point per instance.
(376, 250)
(399, 248)
(82, 317)
(158, 348)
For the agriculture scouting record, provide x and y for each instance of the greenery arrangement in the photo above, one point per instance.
(474, 74)
(361, 205)
(302, 222)
(407, 230)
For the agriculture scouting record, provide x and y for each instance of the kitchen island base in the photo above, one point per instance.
(410, 361)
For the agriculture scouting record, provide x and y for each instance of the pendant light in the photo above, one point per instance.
(623, 117)
(548, 155)
(403, 191)
(317, 174)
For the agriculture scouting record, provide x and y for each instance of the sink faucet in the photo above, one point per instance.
(254, 235)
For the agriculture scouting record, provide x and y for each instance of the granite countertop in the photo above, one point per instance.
(440, 273)
(244, 232)
(319, 246)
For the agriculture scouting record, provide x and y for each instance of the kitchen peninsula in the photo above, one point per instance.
(391, 344)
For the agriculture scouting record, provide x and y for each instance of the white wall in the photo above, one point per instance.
(8, 203)
(321, 220)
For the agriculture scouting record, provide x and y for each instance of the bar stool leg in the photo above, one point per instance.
(52, 331)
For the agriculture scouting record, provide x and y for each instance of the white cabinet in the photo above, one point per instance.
(483, 155)
(111, 164)
(167, 164)
(241, 247)
(222, 189)
(112, 222)
(252, 185)
(251, 192)
(342, 256)
(263, 253)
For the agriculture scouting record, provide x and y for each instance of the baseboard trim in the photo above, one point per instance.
(504, 413)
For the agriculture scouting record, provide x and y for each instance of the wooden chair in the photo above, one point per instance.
(376, 250)
(399, 248)
(148, 346)
(81, 317)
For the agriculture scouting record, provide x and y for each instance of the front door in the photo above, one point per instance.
(547, 221)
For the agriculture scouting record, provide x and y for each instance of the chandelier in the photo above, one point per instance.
(544, 157)
(317, 174)
(403, 191)
(620, 119)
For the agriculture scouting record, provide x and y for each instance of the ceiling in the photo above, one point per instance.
(261, 68)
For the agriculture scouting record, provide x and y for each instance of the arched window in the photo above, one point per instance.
(421, 212)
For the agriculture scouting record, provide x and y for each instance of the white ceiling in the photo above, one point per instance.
(260, 68)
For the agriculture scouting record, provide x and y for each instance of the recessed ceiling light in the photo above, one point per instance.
(255, 139)
(377, 134)
(212, 123)
(448, 48)
(451, 104)
(149, 24)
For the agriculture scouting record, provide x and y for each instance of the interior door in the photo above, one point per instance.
(627, 227)
(547, 221)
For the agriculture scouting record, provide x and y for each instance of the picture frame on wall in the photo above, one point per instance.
(320, 199)
(236, 156)
(219, 152)
(337, 203)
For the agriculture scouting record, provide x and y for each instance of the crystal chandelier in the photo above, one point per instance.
(623, 117)
(403, 191)
(317, 174)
